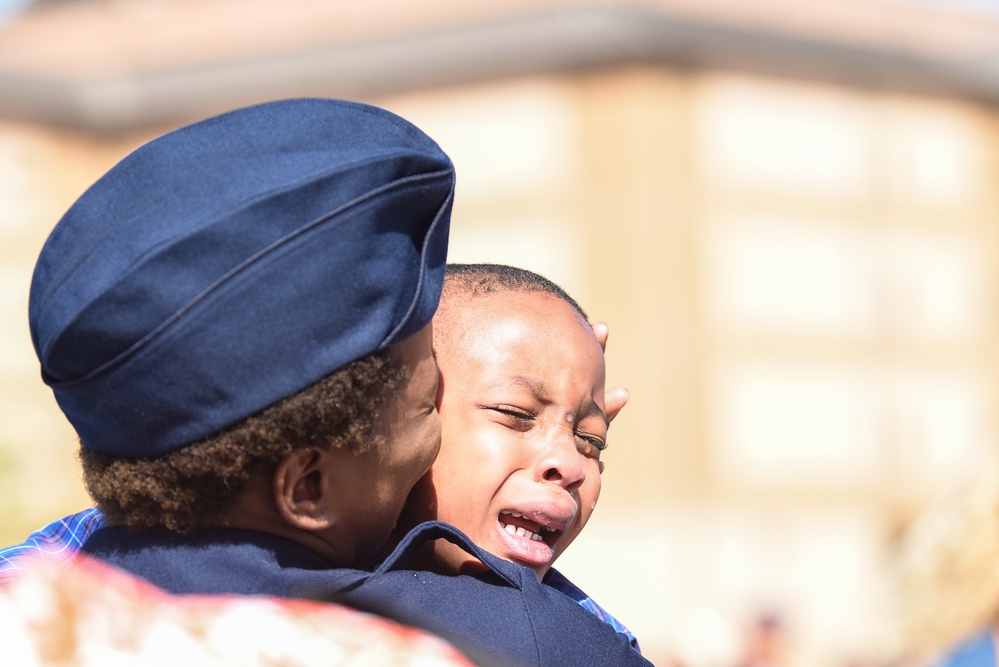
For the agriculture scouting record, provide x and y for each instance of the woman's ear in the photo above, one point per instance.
(302, 488)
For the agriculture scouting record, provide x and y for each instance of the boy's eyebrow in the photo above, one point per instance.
(535, 387)
(592, 409)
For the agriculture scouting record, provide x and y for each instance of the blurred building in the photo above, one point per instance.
(785, 208)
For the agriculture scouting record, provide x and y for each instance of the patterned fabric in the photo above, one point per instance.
(57, 542)
(557, 580)
(61, 540)
(90, 615)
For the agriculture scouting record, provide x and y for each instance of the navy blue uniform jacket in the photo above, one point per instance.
(501, 617)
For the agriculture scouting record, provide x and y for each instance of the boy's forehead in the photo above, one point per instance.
(524, 317)
(474, 313)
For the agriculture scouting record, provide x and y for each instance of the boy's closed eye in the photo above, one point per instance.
(590, 445)
(520, 419)
(516, 418)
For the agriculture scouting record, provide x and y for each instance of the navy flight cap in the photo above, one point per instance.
(234, 262)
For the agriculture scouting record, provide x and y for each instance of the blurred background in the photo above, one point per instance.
(786, 209)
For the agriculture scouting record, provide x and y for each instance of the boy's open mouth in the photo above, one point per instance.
(536, 528)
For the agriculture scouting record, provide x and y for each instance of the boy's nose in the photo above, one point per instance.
(561, 462)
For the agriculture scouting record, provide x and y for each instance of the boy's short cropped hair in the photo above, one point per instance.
(480, 279)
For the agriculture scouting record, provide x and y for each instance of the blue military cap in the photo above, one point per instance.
(233, 262)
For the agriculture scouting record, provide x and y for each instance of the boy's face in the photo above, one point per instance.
(522, 406)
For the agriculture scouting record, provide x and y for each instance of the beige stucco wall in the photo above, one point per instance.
(802, 284)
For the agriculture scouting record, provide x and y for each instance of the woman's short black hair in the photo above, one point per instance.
(190, 489)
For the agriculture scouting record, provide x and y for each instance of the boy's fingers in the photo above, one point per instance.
(614, 401)
(602, 331)
(616, 398)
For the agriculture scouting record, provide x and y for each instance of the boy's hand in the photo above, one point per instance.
(617, 397)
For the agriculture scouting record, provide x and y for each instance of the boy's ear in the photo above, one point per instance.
(302, 488)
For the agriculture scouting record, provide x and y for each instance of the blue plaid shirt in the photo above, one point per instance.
(557, 580)
(57, 542)
(61, 540)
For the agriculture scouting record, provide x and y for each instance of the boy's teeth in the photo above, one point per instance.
(523, 532)
(516, 530)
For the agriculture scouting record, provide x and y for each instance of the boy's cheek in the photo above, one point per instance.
(590, 494)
